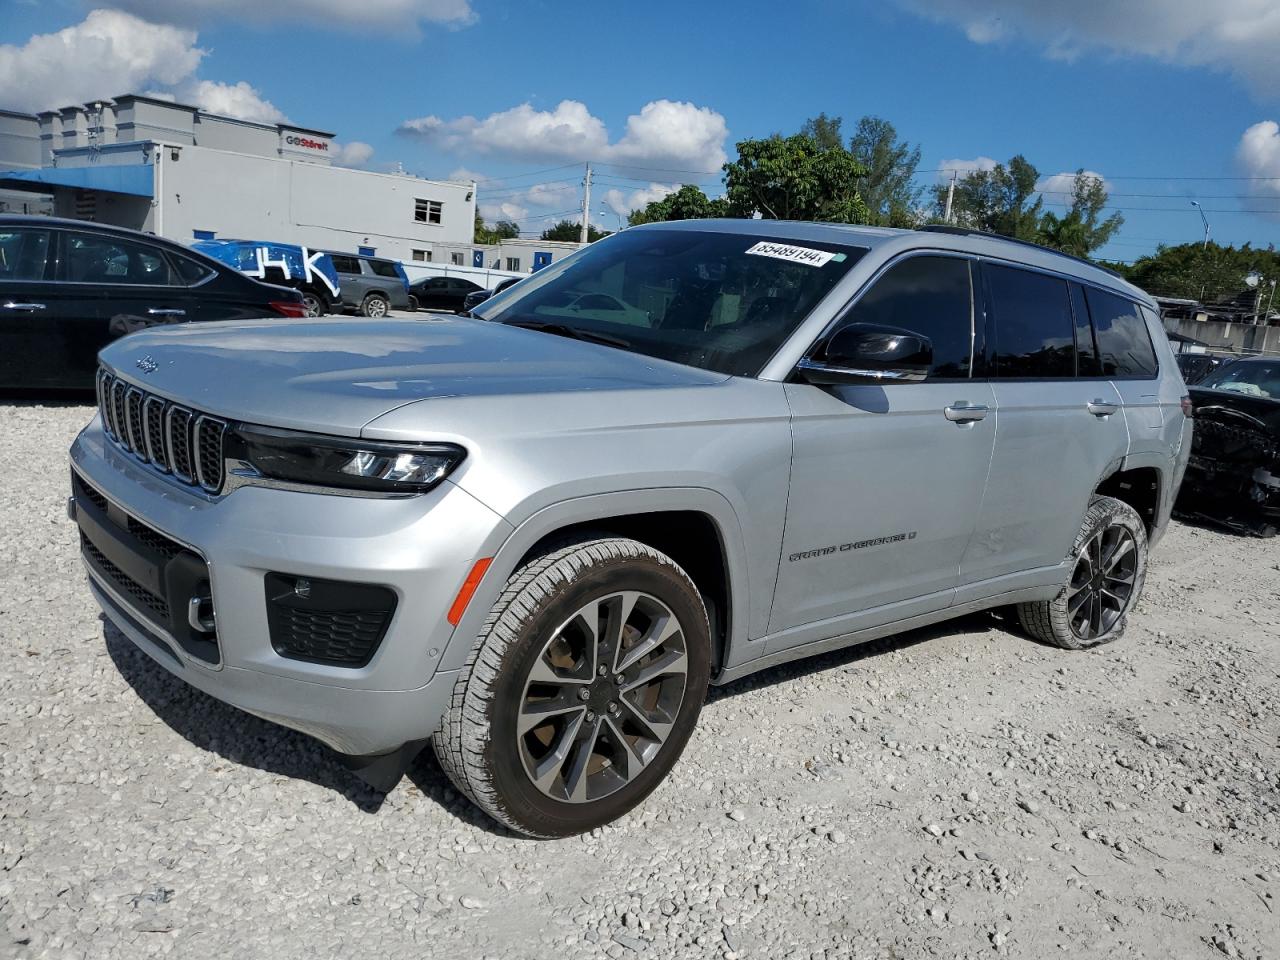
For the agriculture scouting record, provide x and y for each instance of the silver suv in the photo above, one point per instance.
(688, 452)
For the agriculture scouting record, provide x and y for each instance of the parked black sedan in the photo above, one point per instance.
(442, 293)
(1234, 473)
(68, 287)
(479, 296)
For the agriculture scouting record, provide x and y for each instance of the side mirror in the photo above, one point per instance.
(869, 353)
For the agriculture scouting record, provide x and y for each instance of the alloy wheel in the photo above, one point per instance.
(1102, 583)
(602, 697)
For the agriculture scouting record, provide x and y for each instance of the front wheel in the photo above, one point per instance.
(583, 688)
(375, 305)
(314, 304)
(1109, 568)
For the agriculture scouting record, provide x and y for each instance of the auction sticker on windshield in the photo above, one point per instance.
(784, 251)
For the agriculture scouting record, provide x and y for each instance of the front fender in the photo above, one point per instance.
(508, 553)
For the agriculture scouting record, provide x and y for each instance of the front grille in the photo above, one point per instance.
(125, 584)
(343, 639)
(172, 438)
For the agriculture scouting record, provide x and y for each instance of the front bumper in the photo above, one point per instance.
(421, 548)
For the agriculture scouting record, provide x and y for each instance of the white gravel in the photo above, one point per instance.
(955, 792)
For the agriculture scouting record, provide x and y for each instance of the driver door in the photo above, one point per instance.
(887, 480)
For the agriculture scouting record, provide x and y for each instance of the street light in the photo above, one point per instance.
(605, 211)
(1196, 204)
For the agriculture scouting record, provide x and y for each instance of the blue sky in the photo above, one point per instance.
(1148, 96)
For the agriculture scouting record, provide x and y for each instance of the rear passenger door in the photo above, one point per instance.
(1060, 427)
(1128, 360)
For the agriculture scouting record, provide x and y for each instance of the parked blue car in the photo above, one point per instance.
(311, 272)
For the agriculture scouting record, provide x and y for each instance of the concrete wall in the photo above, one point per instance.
(259, 198)
(1245, 338)
(19, 141)
(222, 133)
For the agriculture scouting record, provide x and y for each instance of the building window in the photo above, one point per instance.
(203, 234)
(422, 256)
(428, 211)
(456, 258)
(365, 251)
(513, 264)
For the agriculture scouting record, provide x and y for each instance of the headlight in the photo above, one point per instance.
(341, 462)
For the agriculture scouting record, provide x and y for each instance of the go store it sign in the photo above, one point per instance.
(306, 143)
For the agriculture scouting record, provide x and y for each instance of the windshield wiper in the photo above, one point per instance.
(564, 330)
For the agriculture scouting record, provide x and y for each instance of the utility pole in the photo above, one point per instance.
(1196, 204)
(951, 195)
(586, 206)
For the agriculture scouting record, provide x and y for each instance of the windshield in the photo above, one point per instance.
(1252, 379)
(719, 301)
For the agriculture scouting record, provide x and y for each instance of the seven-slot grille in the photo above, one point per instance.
(172, 438)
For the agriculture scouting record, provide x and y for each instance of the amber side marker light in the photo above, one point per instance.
(468, 590)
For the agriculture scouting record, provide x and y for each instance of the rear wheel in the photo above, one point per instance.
(582, 691)
(375, 305)
(413, 304)
(1110, 566)
(314, 303)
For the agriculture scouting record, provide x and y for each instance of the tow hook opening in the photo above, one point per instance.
(200, 610)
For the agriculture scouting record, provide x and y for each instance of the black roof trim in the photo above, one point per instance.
(966, 232)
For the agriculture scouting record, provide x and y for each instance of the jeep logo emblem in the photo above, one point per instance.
(147, 364)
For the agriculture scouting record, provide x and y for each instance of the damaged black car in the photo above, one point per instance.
(1234, 473)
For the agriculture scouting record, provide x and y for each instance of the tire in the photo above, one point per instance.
(1093, 608)
(314, 303)
(375, 306)
(539, 623)
(413, 304)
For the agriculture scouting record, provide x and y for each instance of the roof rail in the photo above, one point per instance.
(967, 232)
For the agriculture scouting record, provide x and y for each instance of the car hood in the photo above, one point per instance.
(335, 376)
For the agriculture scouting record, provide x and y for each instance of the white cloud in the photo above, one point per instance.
(493, 212)
(238, 100)
(964, 167)
(622, 202)
(108, 53)
(1061, 186)
(322, 14)
(1259, 156)
(1236, 36)
(353, 154)
(664, 133)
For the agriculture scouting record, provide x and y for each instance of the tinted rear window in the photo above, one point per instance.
(23, 253)
(344, 264)
(1124, 345)
(1034, 329)
(384, 268)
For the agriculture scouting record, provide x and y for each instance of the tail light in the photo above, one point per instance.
(289, 308)
(1188, 410)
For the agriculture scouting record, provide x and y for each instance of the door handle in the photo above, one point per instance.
(1102, 408)
(166, 312)
(24, 307)
(961, 412)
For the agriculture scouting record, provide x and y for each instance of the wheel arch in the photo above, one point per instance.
(696, 527)
(1140, 485)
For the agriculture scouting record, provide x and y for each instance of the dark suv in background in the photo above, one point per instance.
(371, 285)
(68, 287)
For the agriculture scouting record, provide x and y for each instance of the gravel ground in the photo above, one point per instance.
(955, 792)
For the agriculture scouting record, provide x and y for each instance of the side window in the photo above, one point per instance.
(101, 259)
(384, 268)
(190, 271)
(1034, 329)
(1124, 345)
(932, 296)
(23, 253)
(345, 264)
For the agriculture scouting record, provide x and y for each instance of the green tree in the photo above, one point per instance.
(999, 200)
(888, 187)
(1208, 274)
(502, 230)
(1081, 230)
(687, 203)
(793, 178)
(825, 131)
(570, 231)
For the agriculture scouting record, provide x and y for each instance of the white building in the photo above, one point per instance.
(174, 170)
